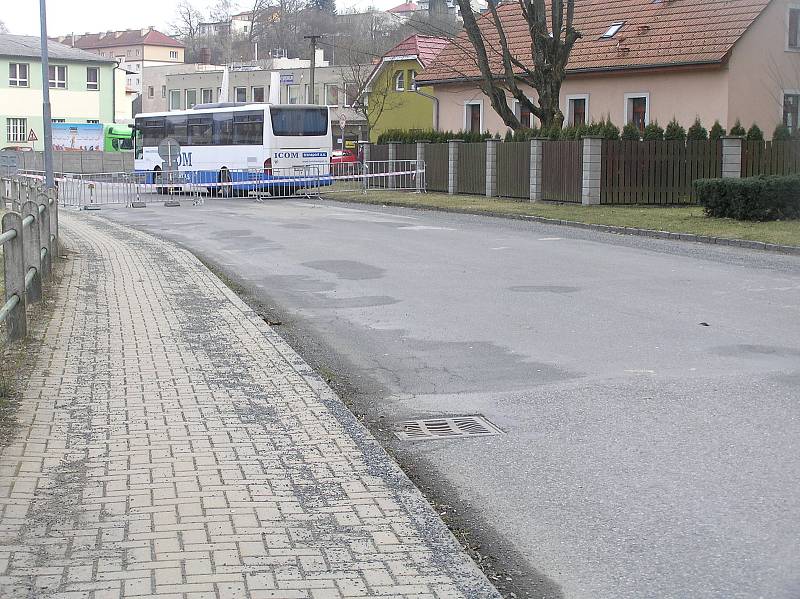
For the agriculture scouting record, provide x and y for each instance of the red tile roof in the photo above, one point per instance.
(130, 37)
(405, 7)
(424, 47)
(656, 33)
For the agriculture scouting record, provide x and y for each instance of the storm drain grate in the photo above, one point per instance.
(446, 428)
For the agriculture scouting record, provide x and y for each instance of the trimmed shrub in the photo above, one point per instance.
(781, 133)
(737, 129)
(509, 136)
(697, 132)
(752, 198)
(755, 133)
(674, 131)
(653, 132)
(631, 133)
(717, 131)
(610, 130)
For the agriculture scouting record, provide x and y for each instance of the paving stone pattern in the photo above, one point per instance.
(172, 445)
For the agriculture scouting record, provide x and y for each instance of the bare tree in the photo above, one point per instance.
(551, 41)
(186, 26)
(222, 11)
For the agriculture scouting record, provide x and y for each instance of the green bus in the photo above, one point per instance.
(118, 138)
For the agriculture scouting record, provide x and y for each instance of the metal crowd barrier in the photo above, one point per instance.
(94, 190)
(29, 239)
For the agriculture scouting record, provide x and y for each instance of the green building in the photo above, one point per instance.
(82, 89)
(393, 100)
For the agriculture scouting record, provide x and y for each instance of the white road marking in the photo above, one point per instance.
(425, 228)
(503, 247)
(640, 371)
(551, 239)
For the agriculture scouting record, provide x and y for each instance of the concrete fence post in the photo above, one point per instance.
(14, 278)
(392, 160)
(537, 157)
(421, 170)
(365, 145)
(452, 166)
(592, 169)
(732, 146)
(44, 236)
(32, 249)
(492, 146)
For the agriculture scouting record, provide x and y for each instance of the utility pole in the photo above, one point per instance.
(48, 134)
(311, 95)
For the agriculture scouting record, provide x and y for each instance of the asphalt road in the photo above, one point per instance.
(645, 454)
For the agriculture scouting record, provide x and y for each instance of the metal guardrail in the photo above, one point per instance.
(29, 238)
(94, 190)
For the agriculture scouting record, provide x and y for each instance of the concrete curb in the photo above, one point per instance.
(652, 233)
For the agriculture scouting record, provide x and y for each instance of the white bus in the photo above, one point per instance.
(229, 144)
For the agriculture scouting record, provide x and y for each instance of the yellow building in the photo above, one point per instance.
(393, 100)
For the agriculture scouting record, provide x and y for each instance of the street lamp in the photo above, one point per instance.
(48, 134)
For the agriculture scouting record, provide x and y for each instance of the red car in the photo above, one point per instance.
(341, 161)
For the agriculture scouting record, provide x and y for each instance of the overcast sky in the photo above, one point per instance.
(81, 16)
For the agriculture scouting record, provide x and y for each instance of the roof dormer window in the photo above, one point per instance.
(612, 31)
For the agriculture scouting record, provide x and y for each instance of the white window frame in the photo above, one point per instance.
(171, 94)
(412, 76)
(627, 111)
(289, 88)
(55, 82)
(96, 84)
(16, 133)
(466, 120)
(236, 93)
(173, 54)
(518, 111)
(400, 81)
(186, 95)
(163, 92)
(263, 93)
(568, 107)
(210, 91)
(789, 8)
(338, 89)
(151, 92)
(19, 81)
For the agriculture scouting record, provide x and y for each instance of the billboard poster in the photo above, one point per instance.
(78, 137)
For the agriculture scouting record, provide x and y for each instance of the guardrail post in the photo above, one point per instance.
(592, 169)
(537, 157)
(452, 166)
(732, 156)
(44, 236)
(421, 165)
(13, 259)
(52, 195)
(491, 167)
(31, 250)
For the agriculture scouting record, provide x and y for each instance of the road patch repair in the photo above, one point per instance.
(171, 444)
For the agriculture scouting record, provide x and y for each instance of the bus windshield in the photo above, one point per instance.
(291, 121)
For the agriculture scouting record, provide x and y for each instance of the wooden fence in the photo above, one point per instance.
(656, 172)
(562, 167)
(514, 170)
(472, 168)
(770, 158)
(659, 172)
(436, 165)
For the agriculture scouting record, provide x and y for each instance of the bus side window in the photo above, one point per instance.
(223, 128)
(248, 128)
(152, 132)
(177, 128)
(200, 130)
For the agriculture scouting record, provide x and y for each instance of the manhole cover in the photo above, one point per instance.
(446, 428)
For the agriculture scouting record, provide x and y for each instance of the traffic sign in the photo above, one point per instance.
(32, 136)
(342, 121)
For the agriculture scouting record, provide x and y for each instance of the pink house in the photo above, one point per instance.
(645, 60)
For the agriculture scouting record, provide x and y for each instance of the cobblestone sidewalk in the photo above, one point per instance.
(172, 445)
